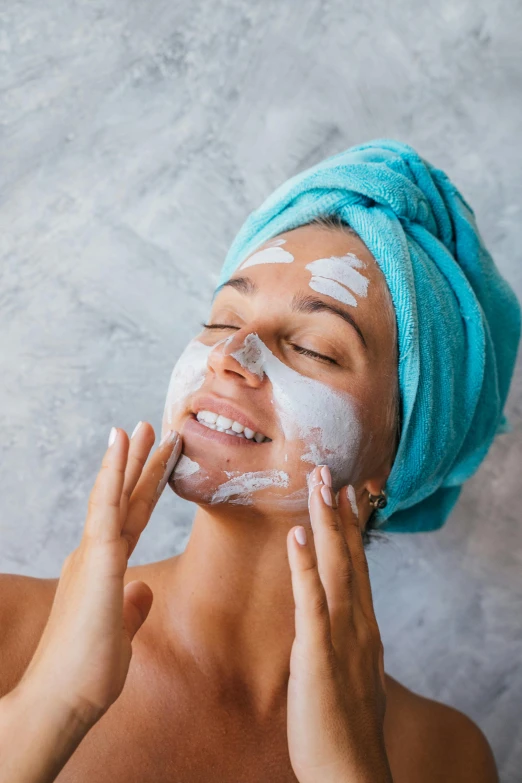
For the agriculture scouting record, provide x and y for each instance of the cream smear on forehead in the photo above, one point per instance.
(272, 253)
(326, 419)
(244, 484)
(338, 277)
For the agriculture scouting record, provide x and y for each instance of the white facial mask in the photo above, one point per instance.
(185, 467)
(272, 253)
(241, 485)
(324, 421)
(187, 376)
(338, 277)
(310, 411)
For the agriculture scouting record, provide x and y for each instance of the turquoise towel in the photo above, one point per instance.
(458, 320)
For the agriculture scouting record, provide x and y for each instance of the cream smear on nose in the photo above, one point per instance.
(338, 277)
(325, 419)
(272, 253)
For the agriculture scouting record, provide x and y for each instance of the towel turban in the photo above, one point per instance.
(458, 320)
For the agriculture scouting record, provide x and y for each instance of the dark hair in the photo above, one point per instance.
(371, 533)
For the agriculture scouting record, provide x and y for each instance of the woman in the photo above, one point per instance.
(352, 374)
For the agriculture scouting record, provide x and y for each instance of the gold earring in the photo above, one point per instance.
(378, 501)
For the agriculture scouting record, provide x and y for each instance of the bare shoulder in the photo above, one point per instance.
(430, 741)
(25, 603)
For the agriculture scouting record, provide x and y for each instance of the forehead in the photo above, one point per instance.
(278, 272)
(280, 264)
(308, 243)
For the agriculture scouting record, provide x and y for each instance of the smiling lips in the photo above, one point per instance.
(215, 421)
(219, 417)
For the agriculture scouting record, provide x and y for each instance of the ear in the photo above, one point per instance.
(372, 486)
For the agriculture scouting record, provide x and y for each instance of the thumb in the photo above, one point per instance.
(137, 600)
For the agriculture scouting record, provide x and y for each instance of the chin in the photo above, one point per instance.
(198, 488)
(262, 492)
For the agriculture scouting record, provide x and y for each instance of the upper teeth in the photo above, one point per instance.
(216, 422)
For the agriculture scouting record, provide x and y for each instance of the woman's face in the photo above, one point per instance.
(300, 349)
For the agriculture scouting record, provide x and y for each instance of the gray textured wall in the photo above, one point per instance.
(135, 139)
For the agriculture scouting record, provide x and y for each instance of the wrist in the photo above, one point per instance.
(370, 766)
(39, 731)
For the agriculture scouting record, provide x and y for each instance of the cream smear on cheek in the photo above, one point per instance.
(272, 253)
(326, 420)
(338, 277)
(188, 375)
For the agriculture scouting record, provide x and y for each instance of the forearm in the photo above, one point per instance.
(38, 734)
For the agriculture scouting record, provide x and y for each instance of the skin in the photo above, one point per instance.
(210, 666)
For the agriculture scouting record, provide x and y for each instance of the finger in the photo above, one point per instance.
(141, 442)
(335, 568)
(150, 485)
(137, 601)
(312, 621)
(103, 515)
(349, 514)
(174, 443)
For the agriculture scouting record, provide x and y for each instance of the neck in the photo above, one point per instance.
(232, 609)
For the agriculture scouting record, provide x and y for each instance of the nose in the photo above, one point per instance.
(224, 364)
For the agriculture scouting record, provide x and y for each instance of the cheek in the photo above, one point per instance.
(187, 376)
(320, 423)
(333, 436)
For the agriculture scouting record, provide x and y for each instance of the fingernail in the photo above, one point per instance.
(136, 428)
(314, 479)
(350, 493)
(326, 492)
(169, 437)
(112, 436)
(300, 535)
(326, 475)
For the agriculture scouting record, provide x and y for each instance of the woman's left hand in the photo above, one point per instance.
(336, 690)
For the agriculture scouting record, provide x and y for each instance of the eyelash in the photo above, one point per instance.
(298, 348)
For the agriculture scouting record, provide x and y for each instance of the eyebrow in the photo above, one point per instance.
(301, 303)
(245, 285)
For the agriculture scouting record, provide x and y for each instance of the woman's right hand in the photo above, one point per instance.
(85, 650)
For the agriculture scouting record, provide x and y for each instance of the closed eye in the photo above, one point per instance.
(297, 348)
(313, 354)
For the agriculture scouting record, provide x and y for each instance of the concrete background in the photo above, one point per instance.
(135, 139)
